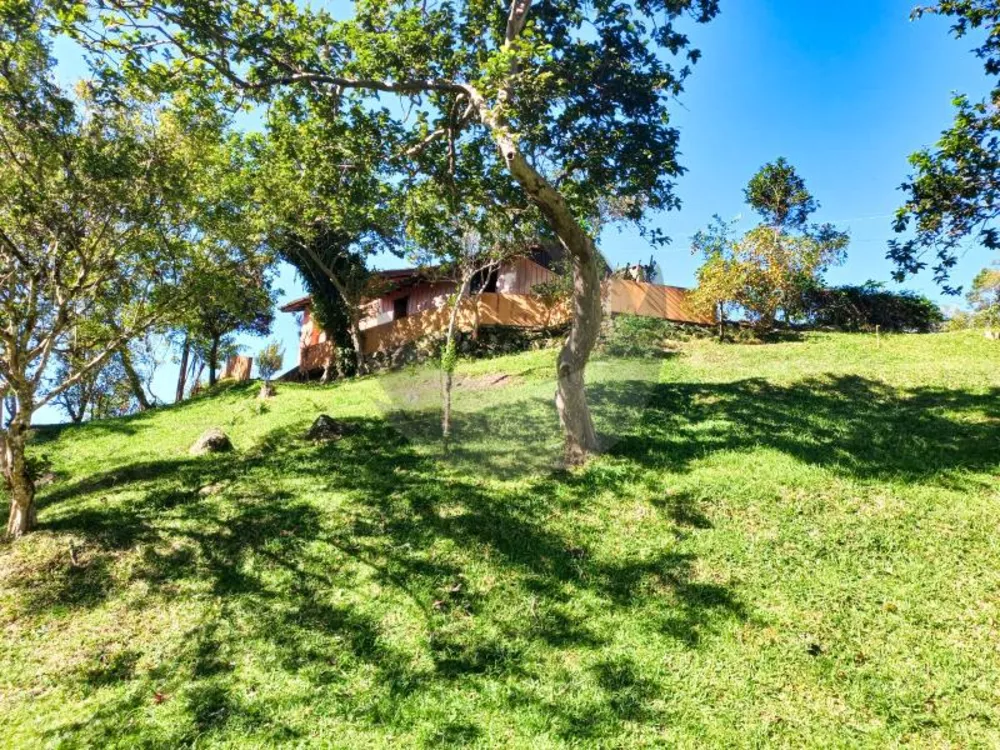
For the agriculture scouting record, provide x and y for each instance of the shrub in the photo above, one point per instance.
(637, 336)
(269, 360)
(862, 308)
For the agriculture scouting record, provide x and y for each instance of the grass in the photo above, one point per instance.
(784, 545)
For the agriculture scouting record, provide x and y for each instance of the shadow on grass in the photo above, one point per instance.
(277, 566)
(486, 573)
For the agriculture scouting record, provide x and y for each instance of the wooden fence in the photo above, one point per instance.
(238, 368)
(651, 301)
(493, 310)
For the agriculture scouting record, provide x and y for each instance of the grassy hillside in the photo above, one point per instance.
(792, 544)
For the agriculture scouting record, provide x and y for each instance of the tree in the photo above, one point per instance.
(231, 298)
(780, 196)
(984, 297)
(326, 205)
(953, 192)
(269, 361)
(104, 391)
(92, 212)
(774, 266)
(510, 86)
(471, 266)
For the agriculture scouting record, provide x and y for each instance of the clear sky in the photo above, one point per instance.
(844, 90)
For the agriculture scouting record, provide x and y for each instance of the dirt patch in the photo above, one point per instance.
(485, 382)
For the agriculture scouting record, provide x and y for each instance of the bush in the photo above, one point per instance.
(637, 336)
(269, 360)
(862, 308)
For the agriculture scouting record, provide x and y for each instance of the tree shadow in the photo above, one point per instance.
(277, 563)
(851, 425)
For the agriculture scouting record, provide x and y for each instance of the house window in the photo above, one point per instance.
(485, 281)
(399, 307)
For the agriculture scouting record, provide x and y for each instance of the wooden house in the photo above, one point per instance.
(415, 304)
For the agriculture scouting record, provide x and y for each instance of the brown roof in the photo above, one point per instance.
(297, 305)
(400, 276)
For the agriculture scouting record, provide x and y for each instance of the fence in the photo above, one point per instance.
(238, 368)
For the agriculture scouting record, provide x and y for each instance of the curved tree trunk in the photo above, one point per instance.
(571, 397)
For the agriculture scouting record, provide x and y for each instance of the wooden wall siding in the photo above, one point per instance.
(652, 301)
(238, 368)
(494, 309)
(422, 297)
(314, 357)
(520, 275)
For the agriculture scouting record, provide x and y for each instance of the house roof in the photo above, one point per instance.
(400, 277)
(297, 305)
(547, 256)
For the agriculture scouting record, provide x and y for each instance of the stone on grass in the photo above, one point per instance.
(212, 441)
(327, 428)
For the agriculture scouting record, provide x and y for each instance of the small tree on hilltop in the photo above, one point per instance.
(269, 362)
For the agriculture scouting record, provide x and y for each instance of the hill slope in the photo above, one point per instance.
(792, 544)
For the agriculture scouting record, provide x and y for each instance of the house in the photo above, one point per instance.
(415, 304)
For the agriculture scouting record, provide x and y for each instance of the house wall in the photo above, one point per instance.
(425, 296)
(520, 275)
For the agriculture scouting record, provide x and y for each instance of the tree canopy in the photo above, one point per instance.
(953, 194)
(554, 105)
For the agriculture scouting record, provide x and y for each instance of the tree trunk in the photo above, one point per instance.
(722, 322)
(213, 361)
(134, 381)
(23, 516)
(329, 366)
(571, 397)
(358, 342)
(448, 357)
(182, 375)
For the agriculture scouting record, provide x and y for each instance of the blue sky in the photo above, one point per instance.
(845, 91)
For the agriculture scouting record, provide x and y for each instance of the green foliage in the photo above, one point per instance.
(639, 337)
(953, 191)
(102, 232)
(780, 196)
(269, 360)
(456, 70)
(984, 297)
(862, 308)
(761, 274)
(449, 356)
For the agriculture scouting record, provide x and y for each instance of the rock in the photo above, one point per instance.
(213, 440)
(327, 428)
(210, 490)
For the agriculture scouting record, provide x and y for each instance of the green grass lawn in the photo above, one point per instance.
(785, 545)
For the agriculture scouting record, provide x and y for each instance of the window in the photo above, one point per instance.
(399, 307)
(485, 281)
